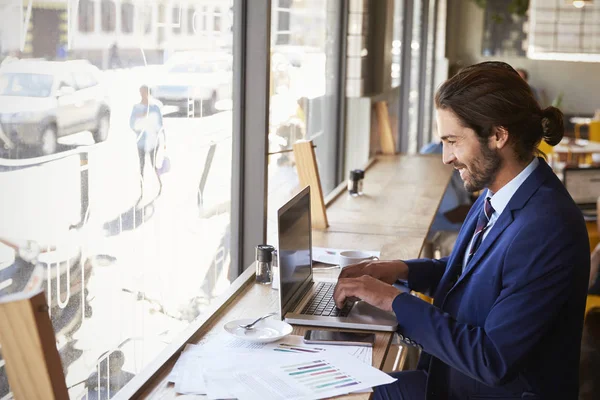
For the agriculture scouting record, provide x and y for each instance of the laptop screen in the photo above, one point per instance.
(583, 184)
(294, 228)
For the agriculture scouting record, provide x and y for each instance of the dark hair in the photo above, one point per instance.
(492, 94)
(524, 72)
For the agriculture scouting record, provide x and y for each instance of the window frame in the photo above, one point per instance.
(405, 67)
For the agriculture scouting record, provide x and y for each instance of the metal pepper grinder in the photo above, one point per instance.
(264, 263)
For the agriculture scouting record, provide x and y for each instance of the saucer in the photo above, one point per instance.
(268, 330)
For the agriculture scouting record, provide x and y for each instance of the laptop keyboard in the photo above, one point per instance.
(321, 303)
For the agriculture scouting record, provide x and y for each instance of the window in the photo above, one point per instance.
(108, 13)
(204, 19)
(283, 22)
(304, 94)
(191, 14)
(86, 16)
(217, 20)
(134, 261)
(560, 31)
(504, 32)
(145, 17)
(127, 12)
(176, 19)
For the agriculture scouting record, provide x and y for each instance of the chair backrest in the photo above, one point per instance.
(594, 131)
(545, 148)
(33, 364)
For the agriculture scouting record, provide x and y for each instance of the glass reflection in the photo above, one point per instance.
(116, 149)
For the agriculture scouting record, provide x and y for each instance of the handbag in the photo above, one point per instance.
(165, 166)
(163, 163)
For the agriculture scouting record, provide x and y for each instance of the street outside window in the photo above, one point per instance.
(120, 180)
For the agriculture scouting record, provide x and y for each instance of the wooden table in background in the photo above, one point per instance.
(575, 152)
(402, 195)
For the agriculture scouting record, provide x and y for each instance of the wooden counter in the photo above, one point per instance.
(401, 197)
(402, 194)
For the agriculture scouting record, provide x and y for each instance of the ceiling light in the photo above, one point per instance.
(581, 3)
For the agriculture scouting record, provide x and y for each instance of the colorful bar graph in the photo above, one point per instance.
(319, 375)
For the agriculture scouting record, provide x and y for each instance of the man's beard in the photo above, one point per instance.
(483, 169)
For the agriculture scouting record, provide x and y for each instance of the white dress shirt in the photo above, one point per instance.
(500, 200)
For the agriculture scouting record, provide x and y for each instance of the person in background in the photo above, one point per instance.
(507, 317)
(114, 60)
(147, 122)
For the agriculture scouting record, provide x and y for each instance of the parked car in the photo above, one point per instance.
(41, 101)
(198, 78)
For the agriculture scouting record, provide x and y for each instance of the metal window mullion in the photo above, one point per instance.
(252, 24)
(403, 123)
(341, 104)
(422, 72)
(434, 45)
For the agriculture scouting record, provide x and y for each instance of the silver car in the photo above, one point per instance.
(194, 82)
(41, 101)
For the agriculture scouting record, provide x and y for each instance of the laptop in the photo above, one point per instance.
(307, 301)
(583, 184)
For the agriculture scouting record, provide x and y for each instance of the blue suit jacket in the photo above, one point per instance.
(510, 326)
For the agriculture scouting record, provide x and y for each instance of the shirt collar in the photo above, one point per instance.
(501, 198)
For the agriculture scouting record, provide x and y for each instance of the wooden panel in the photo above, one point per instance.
(29, 348)
(388, 145)
(308, 174)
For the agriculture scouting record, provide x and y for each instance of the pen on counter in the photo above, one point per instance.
(295, 345)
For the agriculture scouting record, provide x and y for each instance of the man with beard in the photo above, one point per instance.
(508, 305)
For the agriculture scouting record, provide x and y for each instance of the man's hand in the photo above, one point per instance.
(386, 271)
(366, 288)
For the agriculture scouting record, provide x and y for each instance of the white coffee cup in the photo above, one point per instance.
(350, 257)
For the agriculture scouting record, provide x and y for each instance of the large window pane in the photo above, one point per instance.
(305, 40)
(119, 208)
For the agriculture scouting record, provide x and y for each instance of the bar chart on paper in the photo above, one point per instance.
(319, 376)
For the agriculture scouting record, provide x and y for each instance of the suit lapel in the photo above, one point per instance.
(499, 226)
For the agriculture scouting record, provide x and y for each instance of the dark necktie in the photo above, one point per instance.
(482, 224)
